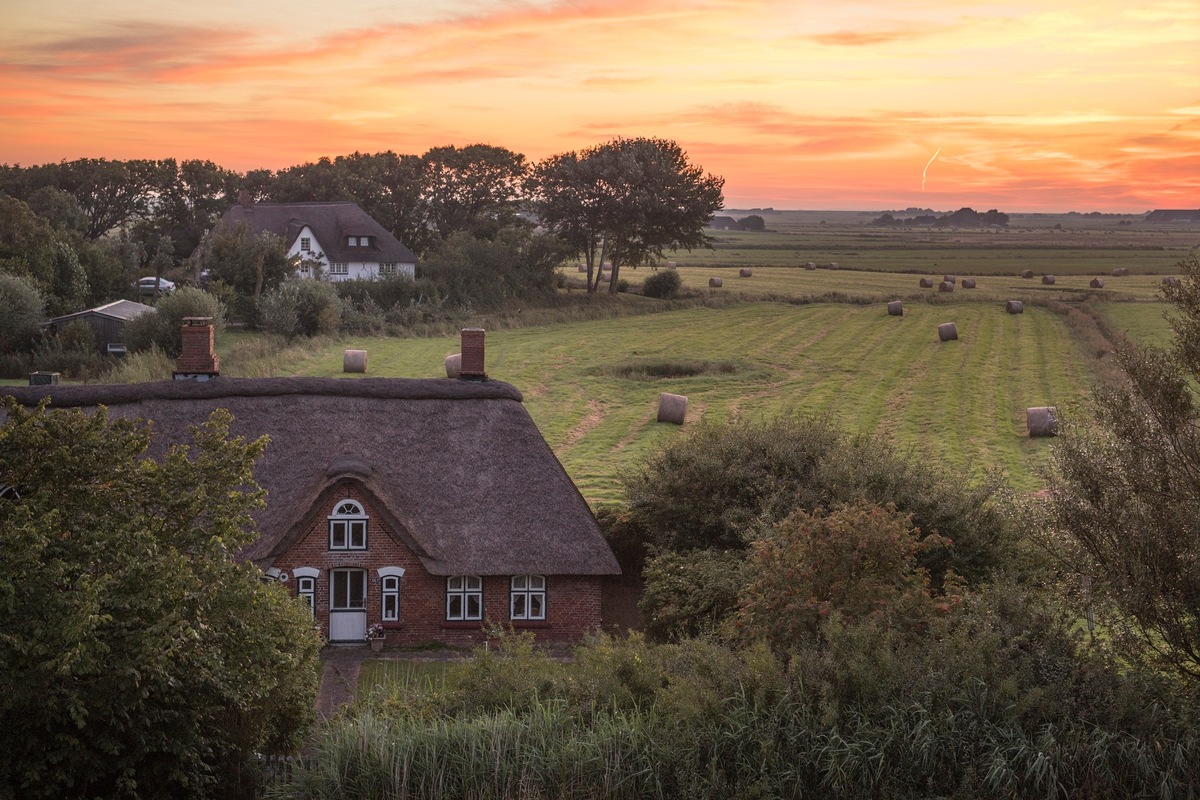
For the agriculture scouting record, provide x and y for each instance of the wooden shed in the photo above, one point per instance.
(107, 323)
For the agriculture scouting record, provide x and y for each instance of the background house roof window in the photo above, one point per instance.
(305, 243)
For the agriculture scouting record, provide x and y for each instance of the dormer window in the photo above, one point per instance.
(348, 527)
(352, 241)
(358, 241)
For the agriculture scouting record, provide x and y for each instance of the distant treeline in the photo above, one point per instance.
(963, 218)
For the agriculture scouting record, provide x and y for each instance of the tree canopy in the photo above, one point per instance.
(624, 202)
(140, 659)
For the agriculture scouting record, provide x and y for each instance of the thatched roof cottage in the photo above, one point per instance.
(426, 506)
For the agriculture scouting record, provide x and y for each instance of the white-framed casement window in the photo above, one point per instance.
(352, 241)
(464, 597)
(527, 598)
(387, 269)
(339, 268)
(348, 527)
(389, 593)
(305, 243)
(306, 585)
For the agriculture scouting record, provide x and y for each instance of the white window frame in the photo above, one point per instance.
(387, 269)
(352, 241)
(348, 526)
(464, 598)
(339, 268)
(527, 597)
(305, 243)
(306, 586)
(389, 589)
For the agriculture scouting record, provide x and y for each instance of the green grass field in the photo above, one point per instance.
(960, 403)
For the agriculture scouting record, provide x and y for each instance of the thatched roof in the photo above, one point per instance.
(330, 222)
(457, 468)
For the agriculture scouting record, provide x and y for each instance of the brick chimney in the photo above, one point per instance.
(197, 362)
(244, 198)
(472, 368)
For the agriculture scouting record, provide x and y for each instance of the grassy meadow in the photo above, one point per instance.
(592, 387)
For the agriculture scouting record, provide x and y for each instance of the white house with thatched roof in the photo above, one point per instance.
(345, 241)
(429, 507)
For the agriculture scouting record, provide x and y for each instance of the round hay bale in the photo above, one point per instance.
(926, 283)
(453, 365)
(1014, 307)
(745, 272)
(1027, 274)
(581, 267)
(354, 361)
(896, 309)
(1170, 280)
(946, 286)
(948, 278)
(671, 265)
(947, 331)
(672, 408)
(1097, 283)
(833, 265)
(1042, 420)
(1047, 280)
(715, 283)
(968, 283)
(810, 265)
(1120, 272)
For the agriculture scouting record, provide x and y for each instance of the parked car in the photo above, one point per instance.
(146, 285)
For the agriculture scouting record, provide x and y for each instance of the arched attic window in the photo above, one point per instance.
(348, 527)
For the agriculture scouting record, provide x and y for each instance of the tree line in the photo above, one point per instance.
(623, 202)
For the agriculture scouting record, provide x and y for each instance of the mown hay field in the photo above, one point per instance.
(593, 387)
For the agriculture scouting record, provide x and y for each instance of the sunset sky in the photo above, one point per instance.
(1030, 106)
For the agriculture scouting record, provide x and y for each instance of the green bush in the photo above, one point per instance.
(663, 284)
(22, 312)
(162, 328)
(692, 593)
(300, 308)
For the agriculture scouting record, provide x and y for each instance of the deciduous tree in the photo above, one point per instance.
(1124, 500)
(140, 658)
(624, 202)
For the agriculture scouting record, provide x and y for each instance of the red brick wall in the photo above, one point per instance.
(573, 602)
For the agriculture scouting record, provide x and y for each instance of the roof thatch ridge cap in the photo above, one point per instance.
(377, 388)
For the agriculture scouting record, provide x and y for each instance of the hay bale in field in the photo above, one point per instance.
(896, 309)
(671, 265)
(926, 283)
(1027, 274)
(745, 272)
(947, 331)
(968, 283)
(1014, 307)
(833, 265)
(453, 365)
(354, 361)
(946, 286)
(810, 265)
(1047, 280)
(672, 408)
(1042, 420)
(715, 283)
(1170, 280)
(581, 267)
(1120, 272)
(949, 278)
(1097, 283)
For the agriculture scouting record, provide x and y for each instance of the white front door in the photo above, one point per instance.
(348, 605)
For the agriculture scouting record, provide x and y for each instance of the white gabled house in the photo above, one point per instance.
(346, 241)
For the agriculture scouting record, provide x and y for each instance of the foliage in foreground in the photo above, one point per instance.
(139, 659)
(1124, 502)
(998, 701)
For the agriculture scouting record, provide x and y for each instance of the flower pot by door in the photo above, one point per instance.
(376, 644)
